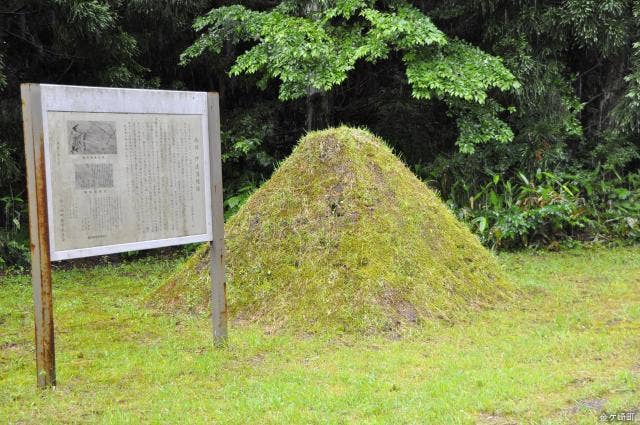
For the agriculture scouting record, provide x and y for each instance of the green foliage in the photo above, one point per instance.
(457, 70)
(479, 125)
(544, 208)
(245, 160)
(14, 251)
(88, 17)
(537, 209)
(233, 203)
(547, 109)
(627, 111)
(576, 134)
(310, 51)
(3, 76)
(315, 50)
(597, 24)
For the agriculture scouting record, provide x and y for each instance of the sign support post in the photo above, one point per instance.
(216, 248)
(39, 234)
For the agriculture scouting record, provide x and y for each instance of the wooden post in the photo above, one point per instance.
(216, 269)
(39, 234)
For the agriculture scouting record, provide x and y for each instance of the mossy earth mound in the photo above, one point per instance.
(343, 237)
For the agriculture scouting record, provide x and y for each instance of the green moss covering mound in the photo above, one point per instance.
(343, 236)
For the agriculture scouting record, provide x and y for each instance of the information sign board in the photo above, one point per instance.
(112, 170)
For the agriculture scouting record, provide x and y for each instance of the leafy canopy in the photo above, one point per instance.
(313, 46)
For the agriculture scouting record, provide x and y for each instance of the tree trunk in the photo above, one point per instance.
(318, 114)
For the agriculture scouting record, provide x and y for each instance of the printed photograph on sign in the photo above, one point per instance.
(92, 137)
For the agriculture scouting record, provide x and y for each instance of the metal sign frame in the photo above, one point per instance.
(37, 101)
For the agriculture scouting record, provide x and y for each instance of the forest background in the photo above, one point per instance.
(524, 115)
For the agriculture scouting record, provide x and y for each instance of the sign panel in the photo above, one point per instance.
(126, 169)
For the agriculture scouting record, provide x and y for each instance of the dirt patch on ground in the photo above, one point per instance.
(494, 419)
(9, 346)
(402, 309)
(596, 405)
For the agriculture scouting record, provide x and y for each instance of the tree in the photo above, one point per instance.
(313, 46)
(579, 66)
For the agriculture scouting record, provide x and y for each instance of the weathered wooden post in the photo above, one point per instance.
(39, 234)
(216, 248)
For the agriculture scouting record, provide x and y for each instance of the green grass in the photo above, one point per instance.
(571, 340)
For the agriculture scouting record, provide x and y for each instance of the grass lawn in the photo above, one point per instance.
(564, 350)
